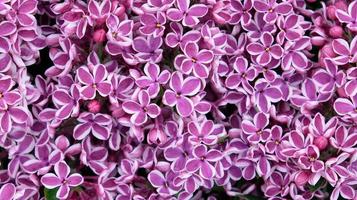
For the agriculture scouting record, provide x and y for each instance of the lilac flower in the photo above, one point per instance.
(271, 9)
(153, 79)
(257, 27)
(265, 50)
(153, 24)
(194, 60)
(347, 53)
(256, 131)
(45, 160)
(140, 110)
(62, 180)
(289, 28)
(99, 11)
(8, 96)
(188, 15)
(162, 183)
(345, 106)
(334, 168)
(241, 75)
(97, 124)
(94, 156)
(264, 95)
(310, 159)
(349, 17)
(24, 12)
(343, 140)
(329, 78)
(148, 49)
(69, 102)
(202, 133)
(181, 90)
(241, 12)
(5, 57)
(179, 154)
(177, 37)
(95, 82)
(201, 161)
(277, 185)
(8, 191)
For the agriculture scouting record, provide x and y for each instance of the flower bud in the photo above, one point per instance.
(341, 5)
(99, 35)
(156, 136)
(331, 12)
(336, 32)
(321, 142)
(94, 106)
(301, 178)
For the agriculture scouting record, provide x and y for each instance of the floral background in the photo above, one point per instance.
(178, 99)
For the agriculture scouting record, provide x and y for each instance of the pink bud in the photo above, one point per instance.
(99, 35)
(341, 92)
(94, 106)
(326, 52)
(331, 12)
(321, 142)
(318, 41)
(156, 136)
(336, 32)
(341, 5)
(301, 178)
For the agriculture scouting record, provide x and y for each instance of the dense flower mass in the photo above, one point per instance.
(178, 99)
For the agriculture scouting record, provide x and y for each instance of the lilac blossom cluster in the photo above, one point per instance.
(178, 99)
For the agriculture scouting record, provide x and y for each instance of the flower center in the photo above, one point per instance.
(270, 10)
(312, 158)
(277, 142)
(267, 49)
(94, 85)
(158, 25)
(1, 95)
(194, 60)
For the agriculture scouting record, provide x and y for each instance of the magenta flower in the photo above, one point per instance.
(277, 185)
(153, 79)
(181, 90)
(5, 57)
(95, 82)
(346, 53)
(265, 95)
(349, 17)
(345, 106)
(62, 180)
(153, 24)
(8, 191)
(257, 131)
(329, 78)
(241, 12)
(202, 161)
(188, 15)
(97, 124)
(141, 109)
(177, 37)
(194, 60)
(265, 50)
(179, 154)
(310, 159)
(202, 133)
(69, 103)
(8, 96)
(344, 139)
(163, 183)
(148, 49)
(289, 28)
(335, 168)
(272, 9)
(241, 75)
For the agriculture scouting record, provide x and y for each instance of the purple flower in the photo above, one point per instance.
(181, 90)
(344, 139)
(153, 24)
(23, 12)
(345, 106)
(62, 180)
(257, 131)
(177, 37)
(163, 183)
(334, 168)
(241, 75)
(194, 60)
(97, 124)
(277, 185)
(179, 154)
(8, 96)
(188, 15)
(310, 159)
(99, 11)
(349, 17)
(271, 9)
(257, 27)
(202, 161)
(202, 133)
(69, 103)
(148, 49)
(265, 95)
(241, 12)
(95, 82)
(346, 53)
(140, 110)
(5, 56)
(265, 49)
(289, 28)
(153, 79)
(8, 191)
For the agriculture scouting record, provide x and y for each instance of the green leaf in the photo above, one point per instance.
(50, 194)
